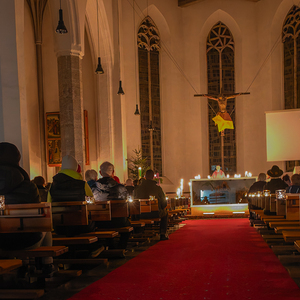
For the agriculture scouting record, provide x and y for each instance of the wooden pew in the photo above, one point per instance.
(7, 265)
(26, 218)
(99, 211)
(69, 213)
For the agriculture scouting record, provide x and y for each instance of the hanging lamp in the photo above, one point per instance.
(99, 69)
(120, 91)
(137, 112)
(61, 28)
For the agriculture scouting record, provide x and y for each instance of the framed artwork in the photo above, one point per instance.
(53, 139)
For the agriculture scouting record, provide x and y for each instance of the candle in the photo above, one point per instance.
(140, 172)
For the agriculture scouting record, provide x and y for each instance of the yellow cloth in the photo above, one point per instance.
(222, 124)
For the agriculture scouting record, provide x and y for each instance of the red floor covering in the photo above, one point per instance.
(206, 259)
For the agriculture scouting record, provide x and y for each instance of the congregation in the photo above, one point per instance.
(68, 185)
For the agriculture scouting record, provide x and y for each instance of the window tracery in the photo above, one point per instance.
(148, 42)
(221, 79)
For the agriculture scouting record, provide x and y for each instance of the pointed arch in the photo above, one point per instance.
(221, 79)
(148, 43)
(291, 46)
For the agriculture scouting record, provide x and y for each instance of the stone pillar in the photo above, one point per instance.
(71, 107)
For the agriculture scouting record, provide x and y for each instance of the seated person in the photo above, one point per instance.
(111, 190)
(259, 184)
(129, 186)
(18, 189)
(276, 183)
(147, 188)
(91, 177)
(286, 178)
(68, 186)
(218, 173)
(295, 187)
(40, 183)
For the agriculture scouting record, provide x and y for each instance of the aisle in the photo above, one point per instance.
(206, 259)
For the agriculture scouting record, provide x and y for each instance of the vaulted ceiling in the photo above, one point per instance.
(182, 3)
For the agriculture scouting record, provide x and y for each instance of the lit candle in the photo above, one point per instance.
(140, 172)
(228, 175)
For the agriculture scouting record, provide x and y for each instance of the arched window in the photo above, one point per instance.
(291, 42)
(220, 78)
(148, 56)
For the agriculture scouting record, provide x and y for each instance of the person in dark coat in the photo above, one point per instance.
(40, 183)
(17, 188)
(112, 190)
(276, 183)
(147, 188)
(259, 184)
(68, 185)
(295, 187)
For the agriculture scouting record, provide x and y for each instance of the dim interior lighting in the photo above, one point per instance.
(61, 28)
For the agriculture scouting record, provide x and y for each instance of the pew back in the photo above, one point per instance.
(292, 206)
(100, 211)
(119, 208)
(69, 213)
(32, 217)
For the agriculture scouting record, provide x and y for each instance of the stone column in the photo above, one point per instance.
(71, 107)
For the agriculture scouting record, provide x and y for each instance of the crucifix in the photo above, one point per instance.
(222, 119)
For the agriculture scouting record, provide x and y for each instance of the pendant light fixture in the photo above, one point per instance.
(61, 28)
(120, 91)
(137, 112)
(99, 69)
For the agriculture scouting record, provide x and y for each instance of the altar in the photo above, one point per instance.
(220, 197)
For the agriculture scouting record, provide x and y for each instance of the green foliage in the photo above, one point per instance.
(136, 161)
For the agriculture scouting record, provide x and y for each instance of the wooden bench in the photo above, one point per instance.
(7, 265)
(32, 217)
(69, 213)
(100, 211)
(105, 234)
(78, 240)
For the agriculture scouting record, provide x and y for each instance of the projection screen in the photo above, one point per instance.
(283, 138)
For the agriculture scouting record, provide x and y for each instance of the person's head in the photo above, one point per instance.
(286, 178)
(295, 179)
(39, 180)
(149, 174)
(218, 168)
(91, 175)
(9, 154)
(107, 169)
(136, 182)
(69, 163)
(129, 182)
(262, 177)
(275, 172)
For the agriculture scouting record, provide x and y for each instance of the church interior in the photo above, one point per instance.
(206, 93)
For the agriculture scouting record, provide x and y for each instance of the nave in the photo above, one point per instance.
(205, 259)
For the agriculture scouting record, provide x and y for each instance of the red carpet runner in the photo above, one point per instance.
(206, 259)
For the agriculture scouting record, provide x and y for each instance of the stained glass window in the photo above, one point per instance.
(149, 84)
(221, 79)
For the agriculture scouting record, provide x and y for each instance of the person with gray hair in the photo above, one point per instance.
(112, 190)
